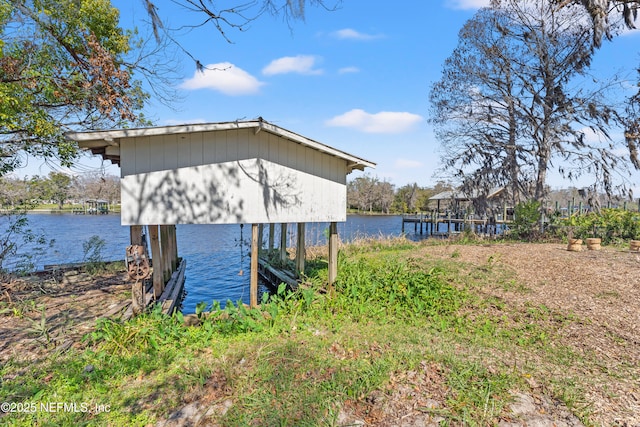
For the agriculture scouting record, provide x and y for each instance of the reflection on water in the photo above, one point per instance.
(218, 256)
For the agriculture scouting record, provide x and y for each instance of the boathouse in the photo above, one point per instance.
(241, 172)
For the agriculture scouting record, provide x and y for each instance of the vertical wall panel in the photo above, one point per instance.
(184, 150)
(254, 141)
(143, 161)
(155, 153)
(197, 147)
(285, 156)
(209, 146)
(301, 157)
(309, 160)
(317, 163)
(242, 144)
(264, 146)
(170, 149)
(222, 146)
(127, 157)
(341, 172)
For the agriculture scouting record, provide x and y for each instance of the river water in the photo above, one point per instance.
(218, 256)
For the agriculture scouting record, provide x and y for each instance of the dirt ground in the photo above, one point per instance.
(599, 289)
(51, 312)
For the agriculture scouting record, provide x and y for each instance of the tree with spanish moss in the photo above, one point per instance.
(518, 103)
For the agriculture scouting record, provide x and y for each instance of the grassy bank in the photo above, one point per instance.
(400, 327)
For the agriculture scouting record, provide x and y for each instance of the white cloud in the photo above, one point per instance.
(407, 164)
(383, 122)
(591, 136)
(301, 64)
(224, 77)
(466, 4)
(630, 32)
(347, 70)
(351, 34)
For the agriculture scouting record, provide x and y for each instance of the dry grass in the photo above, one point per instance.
(597, 291)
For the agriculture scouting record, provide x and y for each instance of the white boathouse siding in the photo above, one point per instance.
(251, 172)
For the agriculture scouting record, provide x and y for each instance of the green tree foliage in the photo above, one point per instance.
(527, 220)
(61, 68)
(58, 187)
(611, 225)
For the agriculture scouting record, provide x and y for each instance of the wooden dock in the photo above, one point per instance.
(432, 224)
(276, 276)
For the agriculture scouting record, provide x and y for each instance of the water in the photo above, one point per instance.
(218, 256)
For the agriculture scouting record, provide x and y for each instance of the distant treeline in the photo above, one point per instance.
(58, 188)
(368, 194)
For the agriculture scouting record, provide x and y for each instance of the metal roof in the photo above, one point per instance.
(107, 142)
(459, 196)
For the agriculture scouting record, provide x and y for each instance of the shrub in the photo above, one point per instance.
(527, 220)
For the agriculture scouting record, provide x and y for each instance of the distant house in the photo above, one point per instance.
(456, 199)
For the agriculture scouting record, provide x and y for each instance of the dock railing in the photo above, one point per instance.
(446, 223)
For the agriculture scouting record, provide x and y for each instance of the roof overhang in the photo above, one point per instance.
(459, 196)
(106, 143)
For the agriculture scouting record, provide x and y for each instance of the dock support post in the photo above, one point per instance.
(300, 250)
(333, 252)
(166, 253)
(283, 241)
(156, 258)
(173, 241)
(272, 228)
(434, 222)
(135, 235)
(137, 288)
(253, 288)
(260, 237)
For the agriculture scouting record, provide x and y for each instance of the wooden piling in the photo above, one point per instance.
(156, 258)
(272, 227)
(333, 252)
(253, 287)
(165, 253)
(135, 235)
(283, 242)
(260, 237)
(300, 250)
(173, 240)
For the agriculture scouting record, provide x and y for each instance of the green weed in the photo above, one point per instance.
(299, 356)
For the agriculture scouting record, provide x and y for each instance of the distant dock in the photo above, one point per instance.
(447, 224)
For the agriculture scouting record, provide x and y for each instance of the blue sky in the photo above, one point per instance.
(356, 78)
